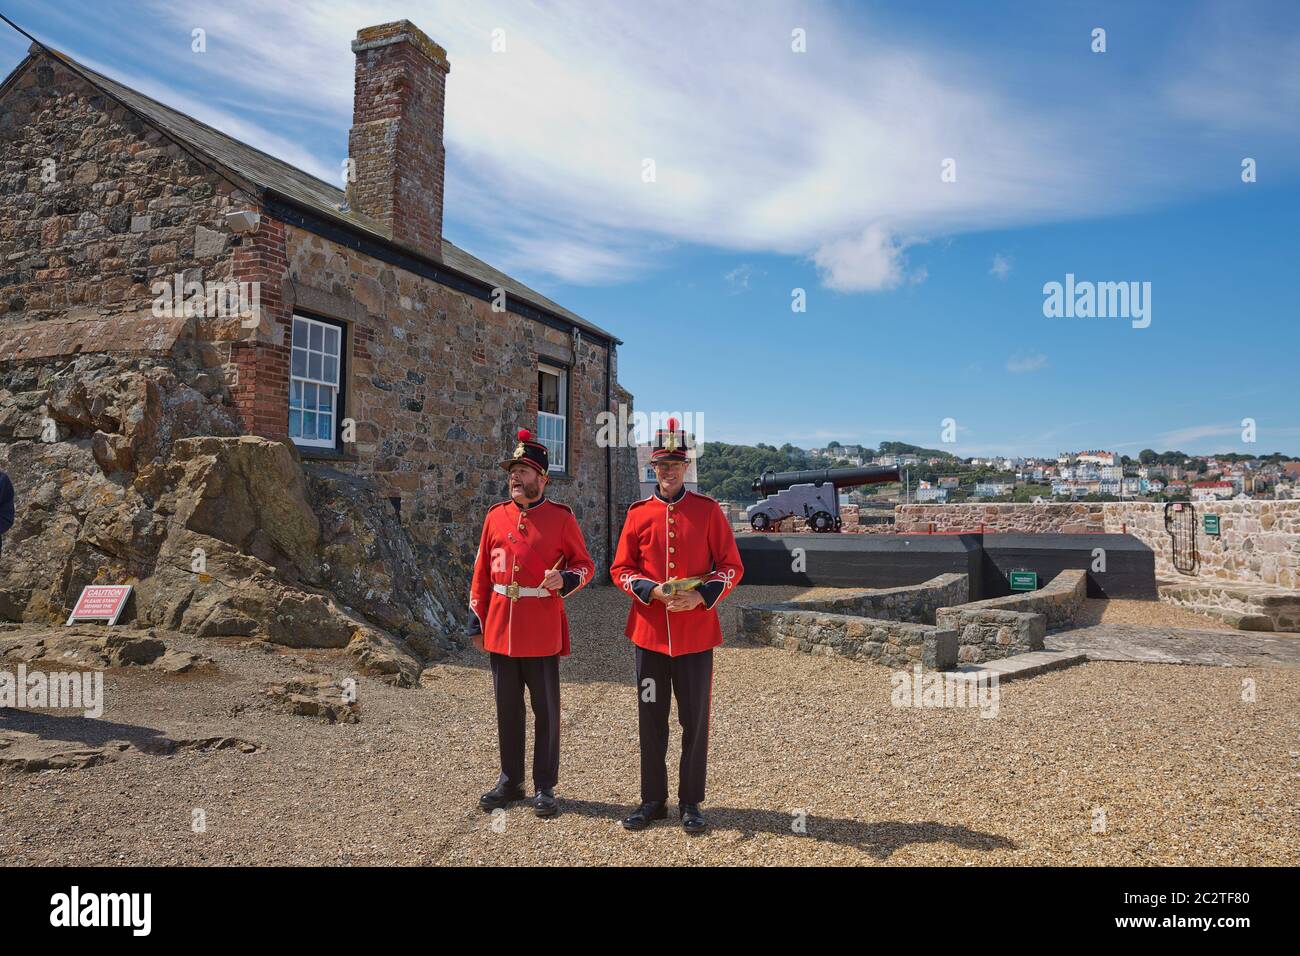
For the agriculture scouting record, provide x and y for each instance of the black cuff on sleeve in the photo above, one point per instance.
(643, 589)
(711, 591)
(571, 582)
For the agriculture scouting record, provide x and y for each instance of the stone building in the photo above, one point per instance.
(341, 322)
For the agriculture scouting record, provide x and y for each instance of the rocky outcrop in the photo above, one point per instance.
(318, 697)
(93, 646)
(127, 474)
(34, 753)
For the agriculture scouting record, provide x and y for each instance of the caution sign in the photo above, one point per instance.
(101, 602)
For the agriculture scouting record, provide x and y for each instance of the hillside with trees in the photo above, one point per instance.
(726, 472)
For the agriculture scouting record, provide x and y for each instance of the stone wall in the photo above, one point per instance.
(1058, 601)
(1017, 623)
(440, 383)
(915, 604)
(893, 644)
(990, 634)
(1060, 517)
(1247, 607)
(1259, 540)
(842, 624)
(95, 205)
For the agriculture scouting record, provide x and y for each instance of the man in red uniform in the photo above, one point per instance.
(674, 534)
(531, 555)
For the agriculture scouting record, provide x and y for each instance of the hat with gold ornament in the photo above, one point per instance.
(670, 444)
(529, 452)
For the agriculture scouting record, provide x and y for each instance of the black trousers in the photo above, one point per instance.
(690, 678)
(541, 675)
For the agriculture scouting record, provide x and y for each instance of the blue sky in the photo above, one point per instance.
(821, 170)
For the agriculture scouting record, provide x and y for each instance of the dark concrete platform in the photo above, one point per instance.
(860, 560)
(1130, 565)
(898, 560)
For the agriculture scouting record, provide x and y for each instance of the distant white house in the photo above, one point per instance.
(1212, 490)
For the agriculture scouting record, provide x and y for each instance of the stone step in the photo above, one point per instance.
(1023, 665)
(1244, 606)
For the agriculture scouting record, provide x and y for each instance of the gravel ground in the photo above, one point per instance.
(1184, 770)
(1155, 613)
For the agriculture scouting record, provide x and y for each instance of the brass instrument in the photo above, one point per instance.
(673, 585)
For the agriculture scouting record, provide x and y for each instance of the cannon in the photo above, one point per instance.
(812, 495)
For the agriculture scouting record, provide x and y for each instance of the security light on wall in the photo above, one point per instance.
(246, 220)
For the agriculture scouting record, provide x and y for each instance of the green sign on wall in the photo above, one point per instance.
(1024, 580)
(1211, 524)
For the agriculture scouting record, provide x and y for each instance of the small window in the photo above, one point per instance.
(315, 379)
(552, 413)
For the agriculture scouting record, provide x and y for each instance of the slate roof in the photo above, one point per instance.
(267, 174)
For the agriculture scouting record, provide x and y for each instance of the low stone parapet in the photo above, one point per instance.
(1058, 601)
(896, 644)
(894, 627)
(987, 634)
(1017, 623)
(1247, 607)
(916, 604)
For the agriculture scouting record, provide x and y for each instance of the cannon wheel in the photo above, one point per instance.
(759, 522)
(822, 522)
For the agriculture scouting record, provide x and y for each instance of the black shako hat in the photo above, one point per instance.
(529, 452)
(670, 444)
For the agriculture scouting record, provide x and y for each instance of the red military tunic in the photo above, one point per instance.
(518, 546)
(688, 537)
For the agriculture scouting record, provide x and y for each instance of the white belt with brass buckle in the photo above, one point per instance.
(514, 591)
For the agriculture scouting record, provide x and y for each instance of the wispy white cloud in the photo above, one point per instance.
(1001, 266)
(737, 279)
(833, 155)
(1239, 71)
(1019, 364)
(1231, 431)
(868, 262)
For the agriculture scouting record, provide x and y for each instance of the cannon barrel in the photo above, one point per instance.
(770, 482)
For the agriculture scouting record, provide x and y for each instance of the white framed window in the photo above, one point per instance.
(553, 413)
(316, 358)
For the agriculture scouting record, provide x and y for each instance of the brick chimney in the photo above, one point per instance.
(396, 136)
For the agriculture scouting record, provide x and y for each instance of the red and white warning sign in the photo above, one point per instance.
(101, 602)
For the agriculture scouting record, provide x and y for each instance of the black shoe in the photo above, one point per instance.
(500, 796)
(692, 819)
(642, 815)
(544, 804)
